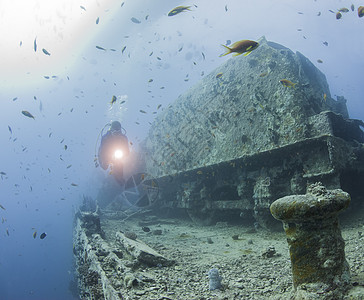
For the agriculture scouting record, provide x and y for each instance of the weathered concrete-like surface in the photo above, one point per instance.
(141, 251)
(316, 246)
(243, 112)
(232, 145)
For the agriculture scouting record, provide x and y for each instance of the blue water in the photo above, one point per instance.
(163, 57)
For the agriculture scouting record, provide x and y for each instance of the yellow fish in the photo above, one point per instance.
(178, 10)
(287, 83)
(218, 75)
(360, 11)
(113, 100)
(263, 74)
(240, 47)
(344, 10)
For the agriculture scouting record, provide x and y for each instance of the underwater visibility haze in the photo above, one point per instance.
(70, 67)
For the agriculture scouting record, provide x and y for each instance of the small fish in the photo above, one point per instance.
(21, 43)
(10, 129)
(287, 83)
(343, 10)
(150, 80)
(27, 114)
(263, 74)
(100, 48)
(2, 173)
(16, 98)
(97, 20)
(361, 11)
(325, 96)
(122, 50)
(203, 55)
(338, 15)
(159, 106)
(74, 184)
(145, 229)
(240, 47)
(35, 45)
(319, 61)
(319, 14)
(146, 17)
(325, 43)
(45, 52)
(34, 234)
(2, 207)
(7, 231)
(330, 10)
(113, 99)
(177, 10)
(219, 75)
(82, 7)
(142, 111)
(135, 20)
(46, 77)
(65, 147)
(43, 235)
(226, 8)
(69, 166)
(352, 7)
(122, 4)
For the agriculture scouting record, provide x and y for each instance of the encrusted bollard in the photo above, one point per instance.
(315, 243)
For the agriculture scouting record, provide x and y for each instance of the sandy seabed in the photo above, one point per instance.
(253, 264)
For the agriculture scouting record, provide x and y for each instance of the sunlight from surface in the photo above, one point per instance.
(59, 27)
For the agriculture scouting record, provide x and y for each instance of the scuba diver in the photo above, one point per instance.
(112, 151)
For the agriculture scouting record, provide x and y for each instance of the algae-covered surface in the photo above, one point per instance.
(253, 264)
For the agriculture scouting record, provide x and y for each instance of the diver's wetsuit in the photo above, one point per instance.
(110, 142)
